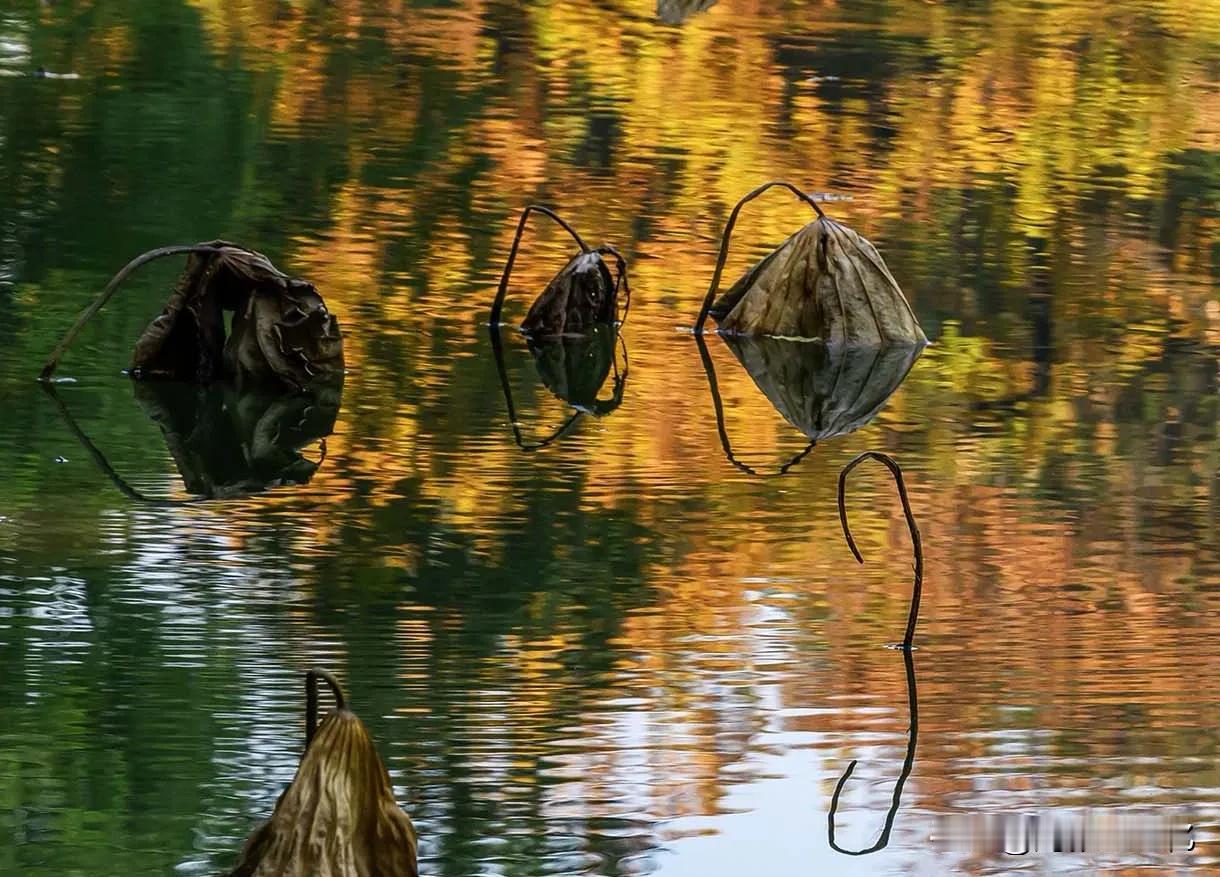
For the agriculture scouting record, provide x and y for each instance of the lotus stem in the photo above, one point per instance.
(311, 700)
(916, 544)
(498, 305)
(728, 232)
(88, 313)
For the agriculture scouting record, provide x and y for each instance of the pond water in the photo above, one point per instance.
(618, 654)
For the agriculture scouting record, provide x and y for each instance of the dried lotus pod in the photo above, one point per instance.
(338, 818)
(282, 332)
(582, 295)
(825, 282)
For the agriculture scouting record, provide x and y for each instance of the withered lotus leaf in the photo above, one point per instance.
(584, 293)
(579, 297)
(825, 282)
(282, 332)
(338, 818)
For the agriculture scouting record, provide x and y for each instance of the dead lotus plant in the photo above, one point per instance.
(582, 295)
(338, 818)
(824, 282)
(282, 332)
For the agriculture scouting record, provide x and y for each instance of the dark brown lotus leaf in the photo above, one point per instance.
(824, 282)
(282, 331)
(228, 442)
(338, 818)
(824, 390)
(580, 296)
(575, 367)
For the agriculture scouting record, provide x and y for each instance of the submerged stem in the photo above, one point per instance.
(916, 544)
(728, 232)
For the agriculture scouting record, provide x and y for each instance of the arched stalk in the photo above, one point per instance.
(916, 545)
(311, 700)
(728, 232)
(498, 305)
(88, 313)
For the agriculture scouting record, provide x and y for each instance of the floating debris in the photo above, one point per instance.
(824, 282)
(338, 817)
(281, 334)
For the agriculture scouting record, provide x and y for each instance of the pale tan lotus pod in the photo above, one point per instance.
(338, 818)
(825, 282)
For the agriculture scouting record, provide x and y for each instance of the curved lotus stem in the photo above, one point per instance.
(311, 700)
(907, 764)
(498, 304)
(710, 370)
(620, 279)
(497, 349)
(916, 545)
(728, 231)
(88, 313)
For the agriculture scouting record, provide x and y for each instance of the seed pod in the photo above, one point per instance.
(825, 282)
(338, 818)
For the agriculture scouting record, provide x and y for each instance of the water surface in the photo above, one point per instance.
(619, 654)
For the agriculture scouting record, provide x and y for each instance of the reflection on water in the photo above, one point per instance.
(227, 442)
(621, 654)
(908, 762)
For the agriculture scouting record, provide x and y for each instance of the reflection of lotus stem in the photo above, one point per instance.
(102, 463)
(907, 764)
(88, 313)
(311, 700)
(916, 545)
(497, 349)
(498, 304)
(709, 369)
(728, 231)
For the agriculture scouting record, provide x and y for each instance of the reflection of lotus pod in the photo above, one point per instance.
(824, 390)
(338, 818)
(282, 330)
(575, 367)
(824, 282)
(579, 296)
